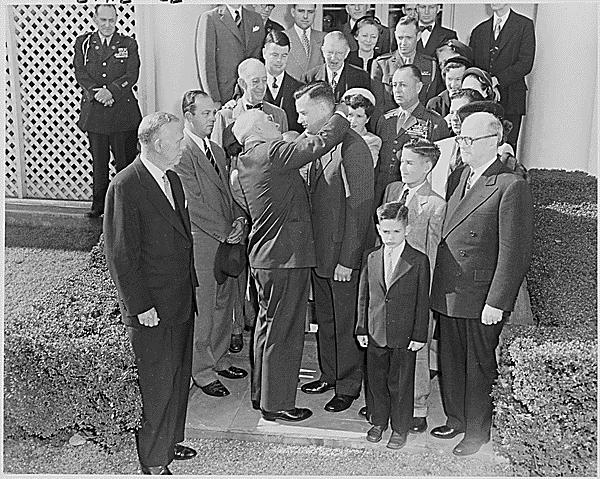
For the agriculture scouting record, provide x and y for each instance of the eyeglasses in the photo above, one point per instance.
(469, 140)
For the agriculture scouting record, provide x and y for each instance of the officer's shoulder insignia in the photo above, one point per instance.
(391, 113)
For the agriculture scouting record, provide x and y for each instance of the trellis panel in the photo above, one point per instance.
(57, 163)
(11, 178)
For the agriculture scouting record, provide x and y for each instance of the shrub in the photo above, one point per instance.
(545, 396)
(69, 364)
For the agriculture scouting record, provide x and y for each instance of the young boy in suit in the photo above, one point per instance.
(393, 317)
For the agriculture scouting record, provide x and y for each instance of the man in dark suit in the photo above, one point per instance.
(280, 85)
(216, 219)
(265, 9)
(385, 43)
(481, 262)
(107, 67)
(504, 45)
(225, 36)
(281, 251)
(433, 35)
(396, 127)
(338, 74)
(407, 37)
(341, 191)
(148, 247)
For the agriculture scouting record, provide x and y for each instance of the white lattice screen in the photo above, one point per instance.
(55, 159)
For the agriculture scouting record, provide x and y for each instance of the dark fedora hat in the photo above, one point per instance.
(230, 260)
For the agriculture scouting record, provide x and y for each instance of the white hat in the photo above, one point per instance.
(360, 91)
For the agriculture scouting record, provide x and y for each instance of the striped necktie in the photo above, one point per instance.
(305, 43)
(210, 156)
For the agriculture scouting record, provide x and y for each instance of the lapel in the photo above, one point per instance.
(488, 39)
(421, 197)
(483, 188)
(507, 32)
(297, 50)
(330, 158)
(157, 197)
(227, 20)
(403, 266)
(342, 83)
(200, 159)
(247, 25)
(282, 88)
(179, 198)
(376, 264)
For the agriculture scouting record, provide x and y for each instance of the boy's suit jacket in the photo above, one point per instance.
(426, 211)
(397, 315)
(298, 63)
(350, 77)
(285, 100)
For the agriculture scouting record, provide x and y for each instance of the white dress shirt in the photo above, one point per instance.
(425, 34)
(199, 141)
(156, 173)
(502, 19)
(278, 79)
(477, 172)
(300, 32)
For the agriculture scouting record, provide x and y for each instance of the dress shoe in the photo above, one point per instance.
(466, 448)
(374, 434)
(419, 424)
(233, 373)
(237, 343)
(184, 452)
(94, 213)
(397, 440)
(445, 432)
(296, 414)
(255, 405)
(215, 389)
(316, 387)
(339, 402)
(363, 412)
(154, 470)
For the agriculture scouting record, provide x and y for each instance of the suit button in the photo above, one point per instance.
(459, 273)
(387, 300)
(104, 74)
(103, 64)
(473, 234)
(395, 142)
(462, 253)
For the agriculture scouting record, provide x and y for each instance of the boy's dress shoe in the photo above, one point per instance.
(419, 424)
(233, 373)
(316, 387)
(237, 343)
(339, 402)
(296, 414)
(445, 432)
(466, 448)
(154, 470)
(183, 453)
(215, 389)
(397, 440)
(374, 434)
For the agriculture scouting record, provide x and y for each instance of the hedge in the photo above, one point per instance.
(69, 365)
(545, 398)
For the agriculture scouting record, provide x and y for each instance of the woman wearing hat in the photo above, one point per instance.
(366, 33)
(480, 80)
(361, 105)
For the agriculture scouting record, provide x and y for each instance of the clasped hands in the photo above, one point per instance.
(104, 96)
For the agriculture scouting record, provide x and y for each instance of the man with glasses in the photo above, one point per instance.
(433, 34)
(481, 261)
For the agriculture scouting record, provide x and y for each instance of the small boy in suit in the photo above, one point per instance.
(393, 318)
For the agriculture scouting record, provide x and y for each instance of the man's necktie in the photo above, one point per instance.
(238, 18)
(497, 28)
(388, 266)
(403, 197)
(210, 157)
(275, 86)
(406, 60)
(305, 42)
(401, 119)
(334, 80)
(458, 162)
(469, 183)
(258, 106)
(315, 170)
(168, 191)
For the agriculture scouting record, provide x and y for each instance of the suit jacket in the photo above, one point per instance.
(486, 244)
(118, 69)
(383, 70)
(341, 202)
(298, 63)
(509, 59)
(439, 35)
(285, 101)
(221, 46)
(269, 183)
(148, 246)
(350, 77)
(440, 103)
(271, 25)
(438, 177)
(426, 211)
(385, 43)
(422, 123)
(396, 316)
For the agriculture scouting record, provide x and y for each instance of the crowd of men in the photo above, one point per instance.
(264, 193)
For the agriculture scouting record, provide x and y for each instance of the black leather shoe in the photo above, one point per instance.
(183, 453)
(94, 213)
(233, 373)
(154, 470)
(419, 424)
(296, 414)
(215, 389)
(339, 402)
(316, 387)
(374, 434)
(445, 432)
(363, 412)
(466, 448)
(237, 343)
(397, 440)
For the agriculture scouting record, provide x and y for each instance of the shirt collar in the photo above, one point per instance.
(477, 172)
(279, 78)
(105, 39)
(330, 73)
(396, 251)
(154, 170)
(415, 188)
(501, 18)
(299, 31)
(232, 11)
(410, 109)
(199, 141)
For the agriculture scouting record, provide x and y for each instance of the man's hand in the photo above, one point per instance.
(235, 236)
(149, 318)
(415, 345)
(104, 96)
(229, 105)
(491, 315)
(363, 340)
(342, 273)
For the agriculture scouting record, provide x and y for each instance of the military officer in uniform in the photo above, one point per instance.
(407, 37)
(396, 127)
(107, 67)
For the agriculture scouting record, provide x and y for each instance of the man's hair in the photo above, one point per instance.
(188, 103)
(414, 70)
(278, 38)
(336, 36)
(294, 5)
(393, 211)
(358, 101)
(317, 91)
(244, 124)
(408, 20)
(245, 66)
(98, 6)
(151, 124)
(468, 93)
(424, 148)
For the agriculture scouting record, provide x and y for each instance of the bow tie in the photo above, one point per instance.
(426, 27)
(258, 106)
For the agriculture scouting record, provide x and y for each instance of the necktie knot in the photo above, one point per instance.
(497, 28)
(404, 197)
(237, 18)
(275, 86)
(258, 106)
(429, 28)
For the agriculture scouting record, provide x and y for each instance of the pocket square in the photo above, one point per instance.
(255, 28)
